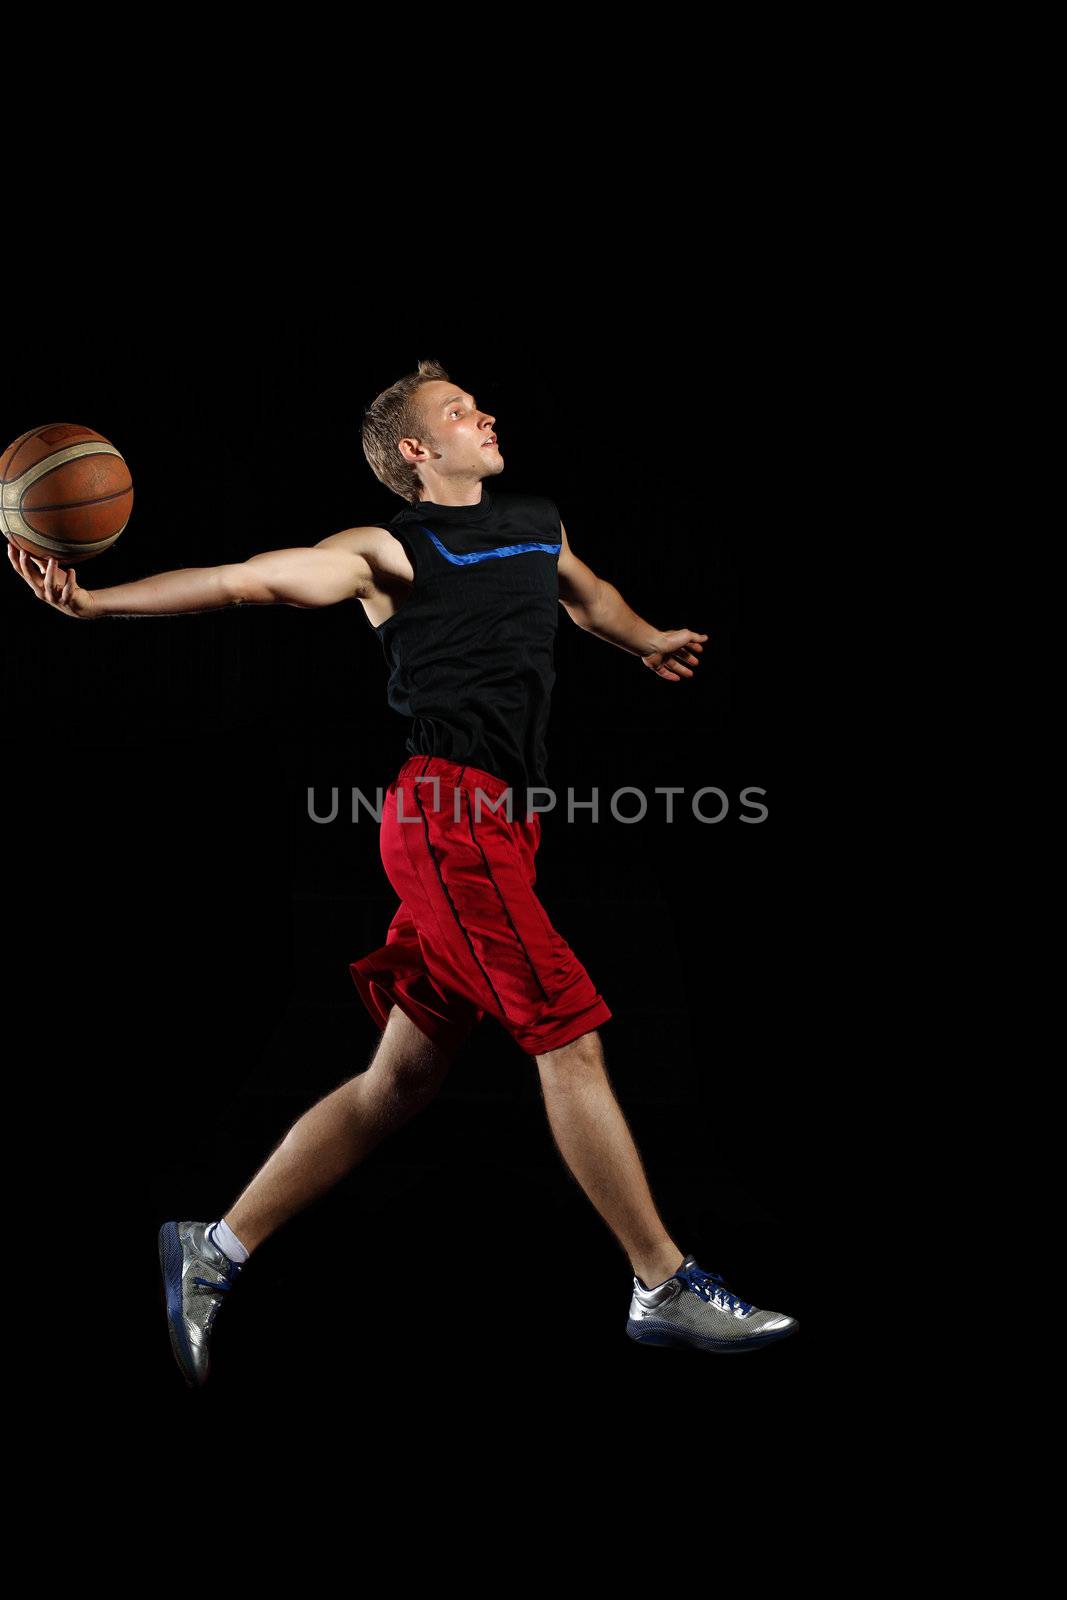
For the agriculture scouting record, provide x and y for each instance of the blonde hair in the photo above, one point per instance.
(394, 415)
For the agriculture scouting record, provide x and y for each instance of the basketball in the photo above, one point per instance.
(65, 491)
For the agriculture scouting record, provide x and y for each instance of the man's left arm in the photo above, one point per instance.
(598, 607)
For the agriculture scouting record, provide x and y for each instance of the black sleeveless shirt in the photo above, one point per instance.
(471, 649)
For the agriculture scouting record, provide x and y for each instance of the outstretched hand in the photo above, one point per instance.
(676, 659)
(55, 585)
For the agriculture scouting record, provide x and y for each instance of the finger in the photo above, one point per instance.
(59, 580)
(55, 578)
(25, 567)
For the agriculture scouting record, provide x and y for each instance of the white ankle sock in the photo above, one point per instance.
(227, 1241)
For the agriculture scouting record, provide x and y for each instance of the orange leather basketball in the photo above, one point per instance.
(65, 491)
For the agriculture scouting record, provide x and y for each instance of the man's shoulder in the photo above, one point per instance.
(375, 542)
(541, 508)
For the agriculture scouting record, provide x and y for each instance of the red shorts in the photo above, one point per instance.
(470, 936)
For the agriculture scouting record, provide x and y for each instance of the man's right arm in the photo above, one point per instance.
(340, 567)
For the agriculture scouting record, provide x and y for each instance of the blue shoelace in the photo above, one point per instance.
(209, 1283)
(223, 1284)
(701, 1283)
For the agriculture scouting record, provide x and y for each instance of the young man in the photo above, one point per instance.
(463, 588)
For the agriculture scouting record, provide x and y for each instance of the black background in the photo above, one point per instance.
(179, 931)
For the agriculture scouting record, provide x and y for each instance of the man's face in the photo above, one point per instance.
(461, 437)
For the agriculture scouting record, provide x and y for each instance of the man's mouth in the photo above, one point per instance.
(488, 442)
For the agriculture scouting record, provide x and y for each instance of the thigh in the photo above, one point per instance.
(399, 975)
(483, 928)
(407, 1052)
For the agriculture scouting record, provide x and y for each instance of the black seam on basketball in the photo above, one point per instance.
(16, 445)
(72, 505)
(451, 902)
(503, 902)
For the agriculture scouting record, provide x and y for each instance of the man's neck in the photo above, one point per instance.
(455, 495)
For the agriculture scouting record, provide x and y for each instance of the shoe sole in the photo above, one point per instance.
(673, 1341)
(170, 1262)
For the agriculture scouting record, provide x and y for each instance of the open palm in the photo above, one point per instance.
(57, 586)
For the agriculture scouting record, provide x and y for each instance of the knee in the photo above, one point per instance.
(414, 1064)
(582, 1056)
(415, 1072)
(417, 1081)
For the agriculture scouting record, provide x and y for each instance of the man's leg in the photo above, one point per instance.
(336, 1133)
(595, 1142)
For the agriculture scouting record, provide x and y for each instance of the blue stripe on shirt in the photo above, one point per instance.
(488, 555)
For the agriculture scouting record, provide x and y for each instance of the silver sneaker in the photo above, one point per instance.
(197, 1276)
(695, 1307)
